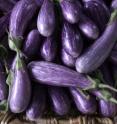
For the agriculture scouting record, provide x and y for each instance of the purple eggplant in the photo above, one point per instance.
(88, 27)
(46, 18)
(60, 100)
(21, 15)
(39, 2)
(96, 54)
(71, 40)
(20, 91)
(113, 57)
(37, 104)
(3, 85)
(85, 103)
(71, 10)
(48, 49)
(67, 59)
(114, 4)
(97, 10)
(32, 43)
(4, 21)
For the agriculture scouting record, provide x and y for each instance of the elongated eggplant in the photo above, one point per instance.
(21, 15)
(85, 103)
(67, 59)
(88, 27)
(46, 18)
(71, 10)
(114, 4)
(95, 55)
(20, 92)
(32, 43)
(4, 21)
(48, 49)
(3, 85)
(113, 57)
(60, 100)
(71, 40)
(39, 2)
(97, 10)
(38, 103)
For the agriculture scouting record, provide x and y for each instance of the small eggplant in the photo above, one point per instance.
(20, 91)
(97, 10)
(67, 59)
(21, 15)
(71, 40)
(48, 49)
(85, 103)
(46, 18)
(96, 54)
(71, 10)
(32, 43)
(37, 104)
(60, 100)
(88, 27)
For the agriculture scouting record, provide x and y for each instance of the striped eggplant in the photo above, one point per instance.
(71, 10)
(39, 2)
(3, 85)
(4, 21)
(97, 10)
(114, 4)
(85, 103)
(32, 43)
(88, 27)
(21, 15)
(37, 104)
(48, 49)
(46, 18)
(71, 40)
(60, 100)
(20, 91)
(67, 59)
(113, 57)
(96, 54)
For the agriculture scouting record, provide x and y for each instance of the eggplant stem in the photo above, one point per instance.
(103, 86)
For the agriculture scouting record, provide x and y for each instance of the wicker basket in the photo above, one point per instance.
(14, 119)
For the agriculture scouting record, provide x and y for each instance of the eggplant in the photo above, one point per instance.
(46, 18)
(71, 10)
(3, 85)
(71, 40)
(39, 2)
(114, 4)
(67, 59)
(97, 10)
(32, 43)
(85, 102)
(96, 54)
(20, 91)
(48, 49)
(60, 100)
(113, 57)
(88, 27)
(21, 15)
(4, 21)
(38, 103)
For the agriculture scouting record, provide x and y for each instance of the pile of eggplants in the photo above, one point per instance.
(58, 55)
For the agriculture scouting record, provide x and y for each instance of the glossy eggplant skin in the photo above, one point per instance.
(38, 102)
(67, 59)
(20, 92)
(3, 85)
(60, 100)
(97, 10)
(32, 43)
(46, 18)
(88, 27)
(56, 75)
(49, 48)
(85, 103)
(114, 4)
(71, 10)
(71, 40)
(96, 54)
(21, 15)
